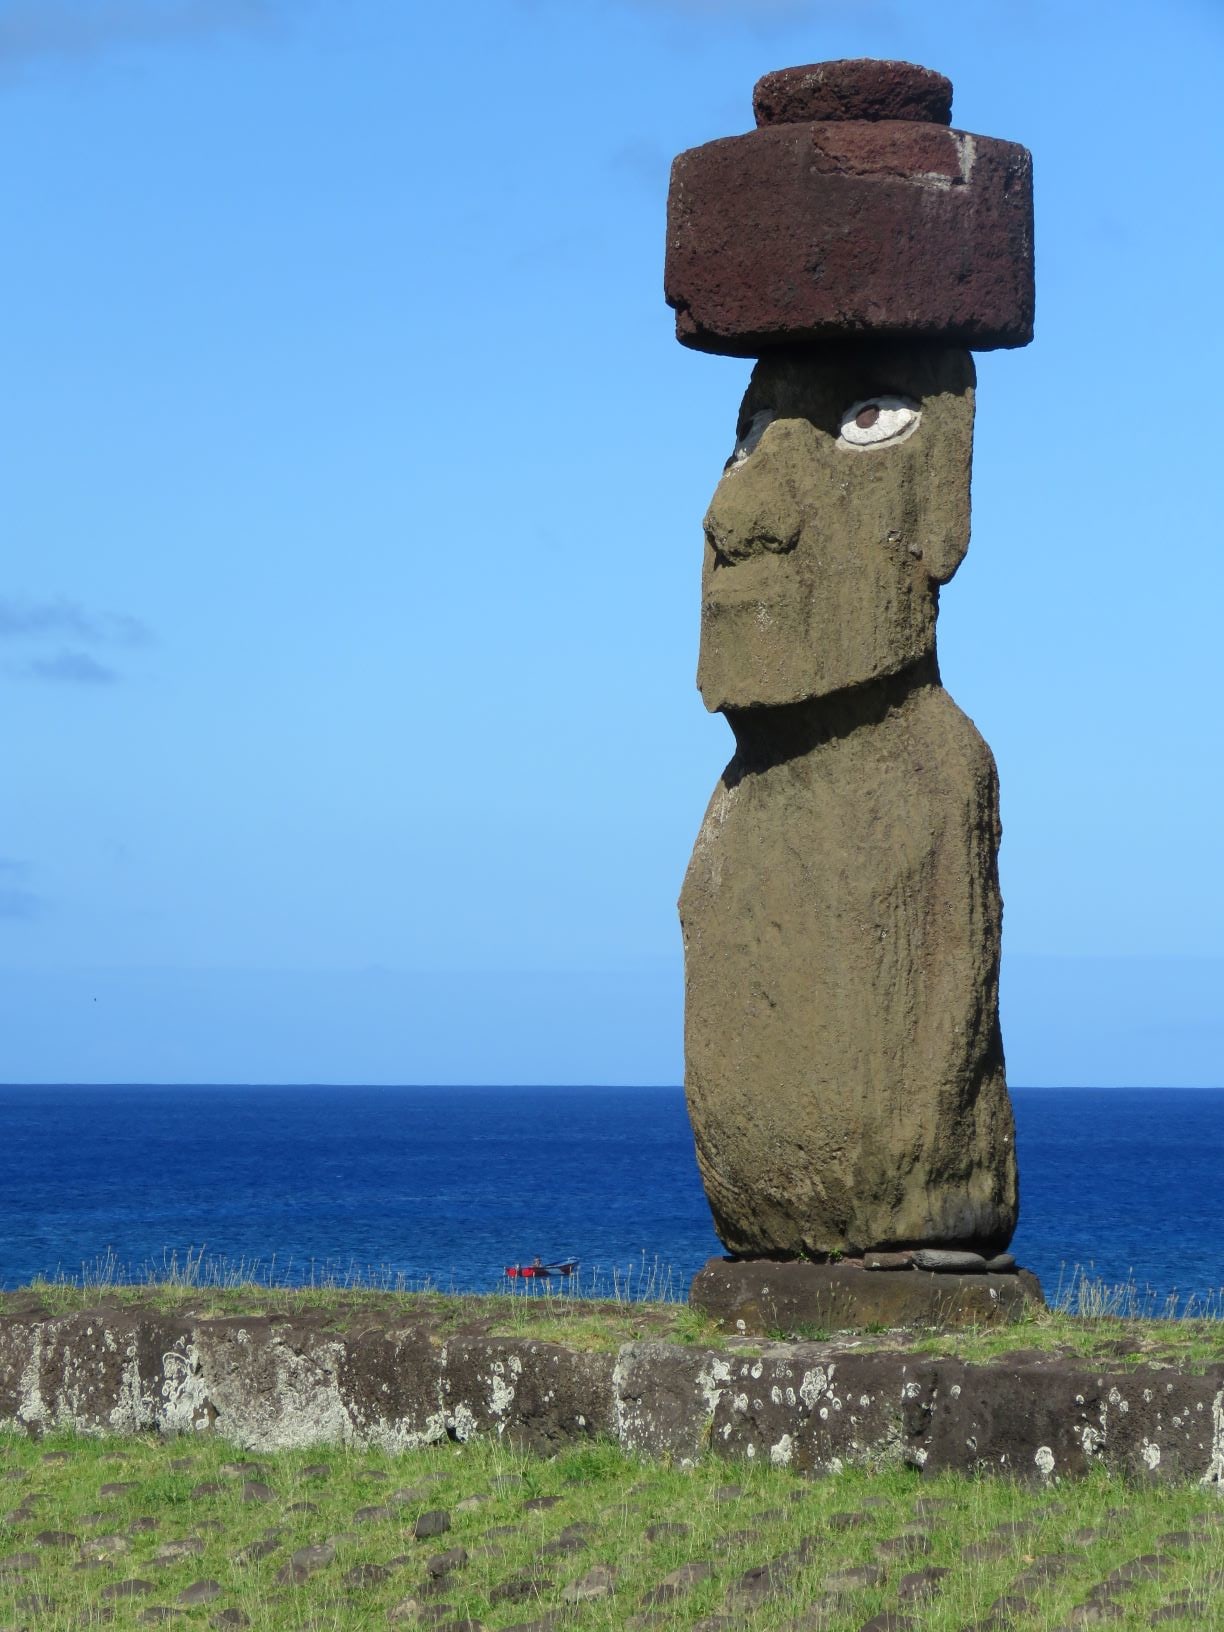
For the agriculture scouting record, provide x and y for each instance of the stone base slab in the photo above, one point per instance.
(758, 1297)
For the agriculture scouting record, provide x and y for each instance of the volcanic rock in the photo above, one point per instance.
(811, 231)
(841, 912)
(854, 88)
(940, 1261)
(823, 553)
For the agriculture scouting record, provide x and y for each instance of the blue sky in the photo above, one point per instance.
(351, 513)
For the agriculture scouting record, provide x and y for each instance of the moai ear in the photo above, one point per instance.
(945, 444)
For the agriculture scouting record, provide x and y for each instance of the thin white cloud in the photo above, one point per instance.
(68, 620)
(65, 636)
(39, 30)
(71, 669)
(17, 901)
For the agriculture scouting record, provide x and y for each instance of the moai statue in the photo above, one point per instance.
(841, 911)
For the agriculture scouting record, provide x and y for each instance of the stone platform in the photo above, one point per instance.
(267, 1383)
(763, 1298)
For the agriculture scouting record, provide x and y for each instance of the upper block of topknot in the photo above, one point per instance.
(854, 88)
(852, 210)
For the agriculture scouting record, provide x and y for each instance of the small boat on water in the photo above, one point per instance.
(536, 1270)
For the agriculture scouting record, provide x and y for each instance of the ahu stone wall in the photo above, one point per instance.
(268, 1383)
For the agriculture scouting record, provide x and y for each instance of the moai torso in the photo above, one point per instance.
(841, 910)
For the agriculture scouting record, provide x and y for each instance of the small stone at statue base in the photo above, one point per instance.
(943, 1261)
(763, 1297)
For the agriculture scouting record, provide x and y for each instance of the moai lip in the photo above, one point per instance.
(850, 210)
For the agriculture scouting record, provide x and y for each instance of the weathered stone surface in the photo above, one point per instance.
(904, 1546)
(922, 1584)
(435, 1522)
(823, 555)
(853, 1578)
(665, 1398)
(813, 232)
(200, 1592)
(841, 914)
(841, 910)
(134, 1588)
(888, 1260)
(273, 1382)
(1056, 1418)
(679, 1581)
(807, 1406)
(174, 1552)
(537, 1395)
(442, 1564)
(816, 1406)
(20, 1342)
(117, 1373)
(941, 1261)
(853, 88)
(392, 1377)
(757, 1297)
(520, 1589)
(366, 1575)
(598, 1582)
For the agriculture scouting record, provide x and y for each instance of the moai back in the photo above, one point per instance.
(841, 911)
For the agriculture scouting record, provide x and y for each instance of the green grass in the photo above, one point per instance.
(1120, 1326)
(777, 1515)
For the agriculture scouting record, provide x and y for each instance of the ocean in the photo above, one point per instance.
(446, 1186)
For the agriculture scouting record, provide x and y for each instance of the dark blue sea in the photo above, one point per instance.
(445, 1186)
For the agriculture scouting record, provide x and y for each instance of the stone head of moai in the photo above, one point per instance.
(841, 911)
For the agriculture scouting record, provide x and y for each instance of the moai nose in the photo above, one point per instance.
(755, 510)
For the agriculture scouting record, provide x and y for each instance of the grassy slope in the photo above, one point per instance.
(985, 1534)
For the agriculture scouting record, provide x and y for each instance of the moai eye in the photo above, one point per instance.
(746, 443)
(877, 420)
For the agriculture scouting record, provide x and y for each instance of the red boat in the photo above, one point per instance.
(539, 1271)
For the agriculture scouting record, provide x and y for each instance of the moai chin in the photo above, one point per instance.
(841, 911)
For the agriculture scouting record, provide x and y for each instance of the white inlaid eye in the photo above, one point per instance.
(877, 420)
